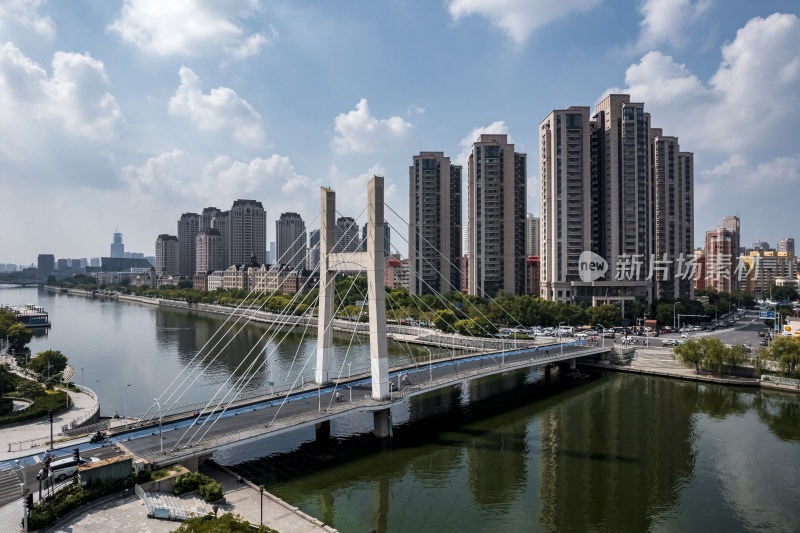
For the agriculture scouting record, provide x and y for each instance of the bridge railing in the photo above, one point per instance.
(93, 411)
(537, 358)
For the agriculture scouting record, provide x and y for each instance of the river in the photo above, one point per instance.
(508, 453)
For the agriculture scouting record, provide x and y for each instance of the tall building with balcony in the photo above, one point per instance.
(188, 226)
(347, 239)
(290, 237)
(673, 217)
(211, 217)
(764, 268)
(786, 245)
(247, 233)
(568, 200)
(434, 228)
(496, 216)
(209, 251)
(722, 256)
(613, 186)
(167, 254)
(533, 226)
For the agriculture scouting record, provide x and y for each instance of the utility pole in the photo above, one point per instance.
(50, 416)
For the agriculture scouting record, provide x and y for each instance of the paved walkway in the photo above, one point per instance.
(243, 499)
(24, 438)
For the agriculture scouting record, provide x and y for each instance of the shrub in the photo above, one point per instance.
(189, 482)
(211, 491)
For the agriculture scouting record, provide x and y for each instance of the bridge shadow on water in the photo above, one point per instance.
(445, 417)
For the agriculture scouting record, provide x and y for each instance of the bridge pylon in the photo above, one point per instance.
(373, 262)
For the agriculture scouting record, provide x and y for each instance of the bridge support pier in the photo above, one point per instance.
(547, 374)
(572, 363)
(383, 423)
(323, 430)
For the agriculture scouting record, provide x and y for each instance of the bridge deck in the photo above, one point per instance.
(302, 409)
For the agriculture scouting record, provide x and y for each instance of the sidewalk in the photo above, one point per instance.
(243, 499)
(34, 433)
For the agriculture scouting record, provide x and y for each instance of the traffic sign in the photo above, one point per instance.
(766, 314)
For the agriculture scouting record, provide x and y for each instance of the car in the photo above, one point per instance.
(669, 342)
(68, 466)
(684, 336)
(761, 333)
(764, 342)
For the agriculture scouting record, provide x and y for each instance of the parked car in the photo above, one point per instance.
(761, 333)
(764, 342)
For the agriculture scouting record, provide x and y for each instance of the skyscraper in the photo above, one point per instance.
(117, 248)
(290, 238)
(722, 256)
(188, 226)
(209, 251)
(496, 190)
(247, 232)
(532, 229)
(613, 187)
(347, 239)
(211, 217)
(46, 265)
(167, 255)
(434, 228)
(786, 245)
(673, 216)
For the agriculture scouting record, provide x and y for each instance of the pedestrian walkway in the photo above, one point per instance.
(243, 499)
(24, 438)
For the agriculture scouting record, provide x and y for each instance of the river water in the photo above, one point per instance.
(508, 453)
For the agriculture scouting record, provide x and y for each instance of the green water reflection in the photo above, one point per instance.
(623, 453)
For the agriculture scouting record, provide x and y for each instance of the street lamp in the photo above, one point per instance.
(430, 364)
(602, 335)
(81, 376)
(674, 307)
(319, 396)
(261, 501)
(348, 369)
(126, 404)
(560, 341)
(160, 438)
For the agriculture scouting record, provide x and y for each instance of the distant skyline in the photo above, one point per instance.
(121, 115)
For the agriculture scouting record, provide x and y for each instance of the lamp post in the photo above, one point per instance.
(81, 376)
(261, 501)
(674, 308)
(602, 335)
(348, 369)
(160, 438)
(319, 397)
(560, 341)
(126, 404)
(430, 364)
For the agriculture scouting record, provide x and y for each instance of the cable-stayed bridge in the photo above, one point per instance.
(227, 419)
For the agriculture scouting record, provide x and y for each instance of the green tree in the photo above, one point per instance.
(29, 389)
(445, 320)
(607, 315)
(690, 354)
(48, 362)
(786, 352)
(227, 523)
(783, 292)
(18, 336)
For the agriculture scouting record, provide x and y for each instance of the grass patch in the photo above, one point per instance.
(163, 472)
(43, 402)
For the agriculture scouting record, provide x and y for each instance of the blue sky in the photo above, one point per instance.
(124, 114)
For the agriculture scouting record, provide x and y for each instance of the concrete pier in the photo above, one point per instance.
(383, 423)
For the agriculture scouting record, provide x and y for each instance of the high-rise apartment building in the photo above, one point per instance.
(762, 270)
(313, 238)
(434, 228)
(290, 237)
(387, 239)
(117, 248)
(614, 187)
(786, 245)
(211, 217)
(247, 233)
(46, 265)
(496, 191)
(346, 235)
(722, 256)
(188, 226)
(167, 255)
(533, 227)
(760, 246)
(568, 200)
(209, 251)
(674, 216)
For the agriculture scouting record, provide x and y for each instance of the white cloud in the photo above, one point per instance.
(188, 27)
(666, 21)
(736, 111)
(518, 18)
(164, 177)
(252, 45)
(70, 114)
(359, 131)
(466, 142)
(221, 109)
(27, 14)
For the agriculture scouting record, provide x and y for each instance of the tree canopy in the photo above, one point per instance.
(48, 362)
(786, 352)
(709, 353)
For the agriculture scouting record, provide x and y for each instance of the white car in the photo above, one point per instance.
(68, 466)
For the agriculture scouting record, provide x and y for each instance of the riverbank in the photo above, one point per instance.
(659, 362)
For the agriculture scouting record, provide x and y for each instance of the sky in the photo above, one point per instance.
(121, 115)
